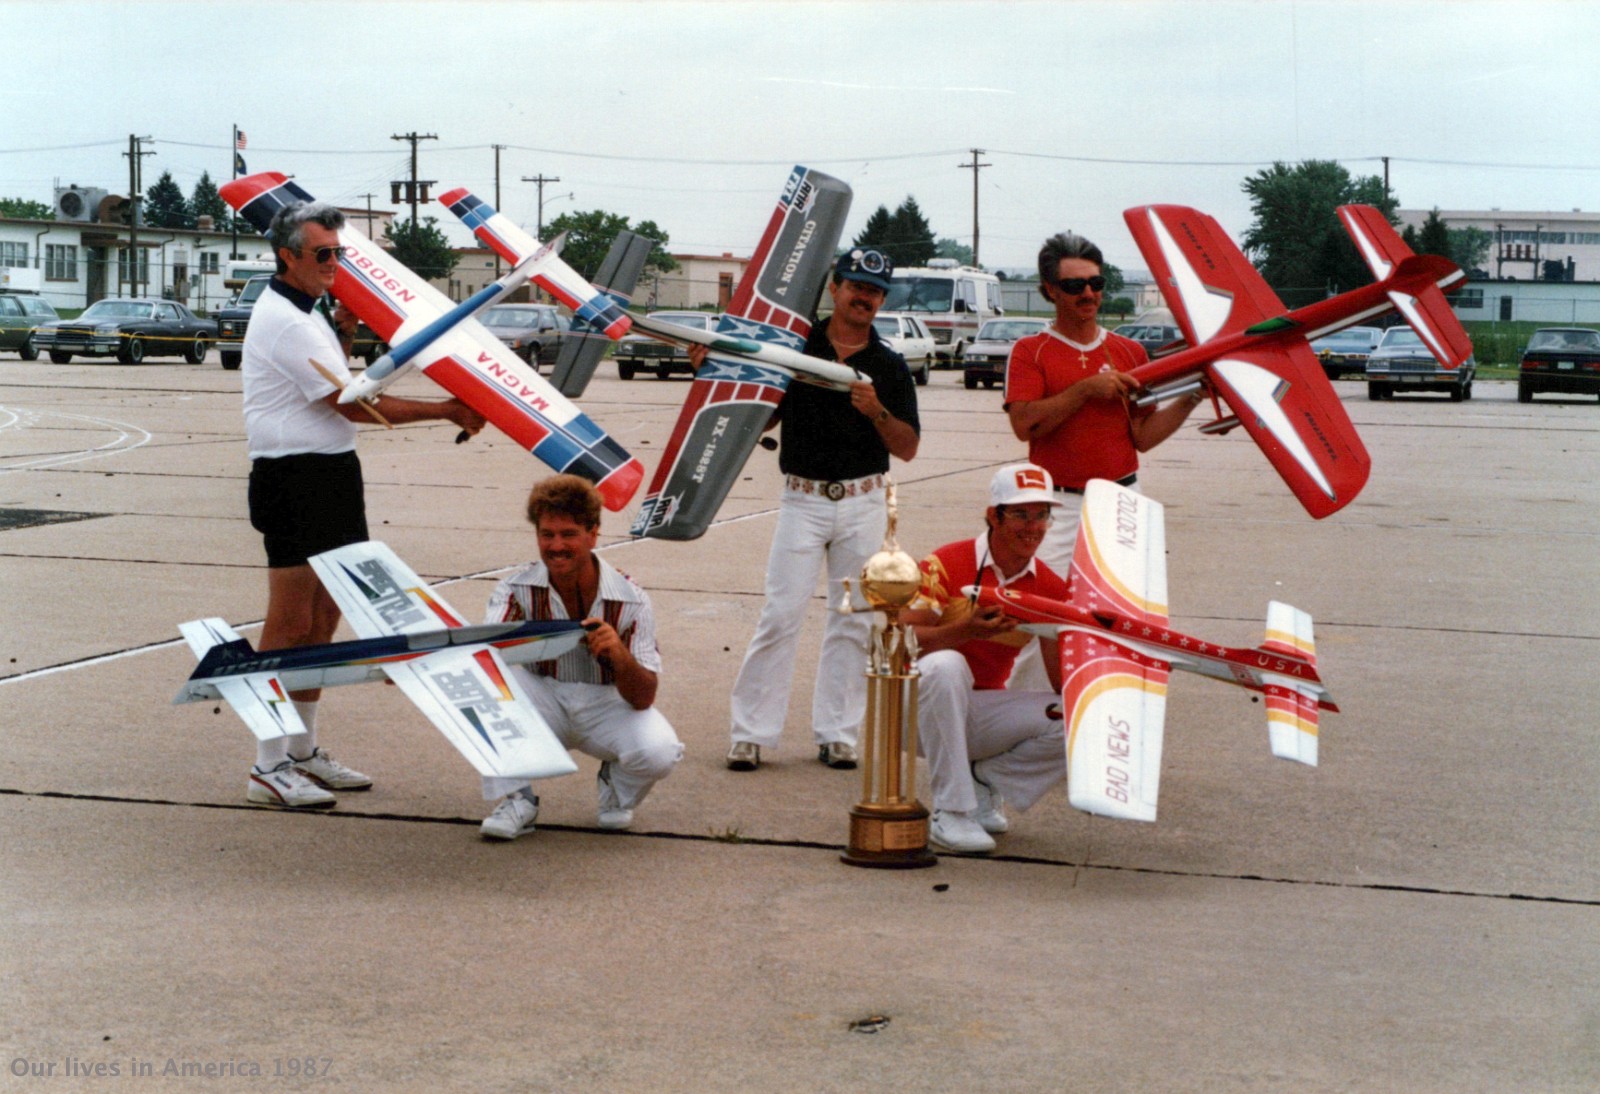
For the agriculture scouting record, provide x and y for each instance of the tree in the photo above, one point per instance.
(1434, 237)
(903, 235)
(422, 247)
(1469, 247)
(1296, 240)
(165, 206)
(949, 248)
(590, 235)
(24, 209)
(207, 202)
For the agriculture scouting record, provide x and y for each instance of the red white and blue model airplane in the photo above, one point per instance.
(457, 352)
(1257, 357)
(1117, 647)
(456, 674)
(755, 352)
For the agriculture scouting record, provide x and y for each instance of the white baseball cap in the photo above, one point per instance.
(1020, 484)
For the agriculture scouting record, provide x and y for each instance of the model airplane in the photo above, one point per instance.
(1246, 349)
(755, 350)
(455, 673)
(466, 360)
(1117, 648)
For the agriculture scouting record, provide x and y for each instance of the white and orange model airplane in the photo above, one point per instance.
(1117, 648)
(1256, 356)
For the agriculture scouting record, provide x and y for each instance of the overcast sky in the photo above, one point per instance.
(690, 114)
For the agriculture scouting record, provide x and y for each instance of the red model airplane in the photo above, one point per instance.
(1256, 356)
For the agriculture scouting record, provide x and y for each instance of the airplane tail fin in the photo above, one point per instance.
(259, 698)
(618, 275)
(1419, 282)
(216, 644)
(1293, 703)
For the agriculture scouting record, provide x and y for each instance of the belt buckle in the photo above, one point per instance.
(833, 491)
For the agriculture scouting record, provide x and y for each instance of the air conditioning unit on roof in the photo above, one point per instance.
(77, 203)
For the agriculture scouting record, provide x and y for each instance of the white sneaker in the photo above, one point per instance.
(990, 813)
(959, 832)
(513, 817)
(613, 817)
(285, 787)
(327, 771)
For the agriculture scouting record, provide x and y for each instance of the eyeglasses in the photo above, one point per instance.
(1072, 286)
(1023, 516)
(326, 254)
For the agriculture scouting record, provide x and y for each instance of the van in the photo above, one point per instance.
(954, 301)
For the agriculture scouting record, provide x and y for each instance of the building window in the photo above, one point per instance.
(1468, 299)
(14, 254)
(142, 266)
(210, 262)
(60, 262)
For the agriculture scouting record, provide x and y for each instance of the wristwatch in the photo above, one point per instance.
(883, 416)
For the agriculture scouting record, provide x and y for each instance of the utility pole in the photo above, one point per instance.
(413, 184)
(974, 167)
(369, 214)
(135, 201)
(497, 148)
(540, 180)
(1385, 160)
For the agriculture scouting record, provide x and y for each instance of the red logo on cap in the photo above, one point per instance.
(1030, 478)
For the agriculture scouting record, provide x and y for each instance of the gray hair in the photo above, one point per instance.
(287, 229)
(1064, 245)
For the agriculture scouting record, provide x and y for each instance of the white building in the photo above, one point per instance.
(1524, 242)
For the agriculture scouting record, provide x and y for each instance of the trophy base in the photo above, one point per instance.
(889, 839)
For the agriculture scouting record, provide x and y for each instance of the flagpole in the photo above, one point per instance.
(233, 173)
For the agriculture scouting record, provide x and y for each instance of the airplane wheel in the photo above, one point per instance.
(132, 352)
(59, 358)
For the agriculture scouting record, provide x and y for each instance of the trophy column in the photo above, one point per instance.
(889, 827)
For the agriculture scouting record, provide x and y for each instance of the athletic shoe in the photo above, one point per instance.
(285, 787)
(613, 817)
(959, 832)
(744, 756)
(837, 754)
(327, 771)
(990, 813)
(513, 817)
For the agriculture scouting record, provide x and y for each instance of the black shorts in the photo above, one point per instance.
(306, 504)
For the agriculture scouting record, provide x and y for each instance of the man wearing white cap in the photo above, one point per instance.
(987, 744)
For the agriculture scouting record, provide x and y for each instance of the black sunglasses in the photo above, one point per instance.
(325, 254)
(1072, 286)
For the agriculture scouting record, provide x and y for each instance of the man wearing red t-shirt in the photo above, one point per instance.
(1068, 390)
(986, 743)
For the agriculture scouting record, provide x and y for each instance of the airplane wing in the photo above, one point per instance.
(1114, 696)
(468, 361)
(1277, 389)
(731, 401)
(259, 698)
(465, 690)
(618, 274)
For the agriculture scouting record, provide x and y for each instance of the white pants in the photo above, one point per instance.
(596, 720)
(811, 530)
(956, 725)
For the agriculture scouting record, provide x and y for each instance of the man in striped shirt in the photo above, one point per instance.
(598, 698)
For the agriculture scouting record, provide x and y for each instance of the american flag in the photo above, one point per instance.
(239, 141)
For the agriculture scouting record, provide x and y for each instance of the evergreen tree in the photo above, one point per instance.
(913, 236)
(1434, 238)
(875, 236)
(164, 205)
(207, 202)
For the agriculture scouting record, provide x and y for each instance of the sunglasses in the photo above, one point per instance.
(1072, 286)
(327, 254)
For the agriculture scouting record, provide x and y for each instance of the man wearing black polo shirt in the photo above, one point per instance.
(305, 480)
(834, 453)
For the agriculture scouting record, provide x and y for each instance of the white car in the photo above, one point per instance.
(910, 337)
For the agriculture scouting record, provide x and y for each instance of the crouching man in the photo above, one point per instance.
(598, 697)
(986, 744)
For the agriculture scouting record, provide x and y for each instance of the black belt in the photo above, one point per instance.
(1128, 481)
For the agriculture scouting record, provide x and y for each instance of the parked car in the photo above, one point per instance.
(129, 329)
(234, 319)
(1154, 337)
(640, 353)
(1401, 362)
(1560, 359)
(20, 315)
(1346, 350)
(534, 332)
(985, 360)
(910, 338)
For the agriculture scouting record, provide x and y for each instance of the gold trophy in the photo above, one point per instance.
(889, 828)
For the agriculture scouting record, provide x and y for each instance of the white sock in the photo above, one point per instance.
(302, 746)
(269, 754)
